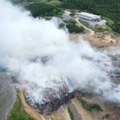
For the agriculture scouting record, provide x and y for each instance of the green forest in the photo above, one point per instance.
(107, 8)
(42, 9)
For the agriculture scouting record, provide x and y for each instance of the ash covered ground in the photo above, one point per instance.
(54, 103)
(7, 95)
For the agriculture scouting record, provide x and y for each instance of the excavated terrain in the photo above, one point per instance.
(110, 111)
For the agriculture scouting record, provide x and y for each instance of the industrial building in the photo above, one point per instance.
(89, 17)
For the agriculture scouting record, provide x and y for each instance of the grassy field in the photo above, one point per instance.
(18, 113)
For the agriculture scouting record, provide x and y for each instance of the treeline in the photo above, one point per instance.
(46, 10)
(107, 8)
(42, 9)
(73, 27)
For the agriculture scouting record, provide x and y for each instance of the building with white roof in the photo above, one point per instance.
(89, 16)
(91, 19)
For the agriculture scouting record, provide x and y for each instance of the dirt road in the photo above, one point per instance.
(60, 114)
(91, 32)
(32, 112)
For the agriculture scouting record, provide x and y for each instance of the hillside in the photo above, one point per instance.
(61, 69)
(110, 9)
(106, 8)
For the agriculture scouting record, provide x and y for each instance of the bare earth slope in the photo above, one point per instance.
(32, 112)
(110, 111)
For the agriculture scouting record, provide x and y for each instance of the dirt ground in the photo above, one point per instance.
(104, 41)
(60, 114)
(78, 111)
(101, 40)
(31, 111)
(97, 40)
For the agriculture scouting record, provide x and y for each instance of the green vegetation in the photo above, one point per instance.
(70, 113)
(18, 112)
(110, 9)
(90, 106)
(99, 28)
(61, 26)
(107, 8)
(42, 9)
(73, 28)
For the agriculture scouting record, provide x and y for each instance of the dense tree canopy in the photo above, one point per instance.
(107, 8)
(41, 9)
(73, 28)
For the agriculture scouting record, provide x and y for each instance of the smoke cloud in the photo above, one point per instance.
(46, 62)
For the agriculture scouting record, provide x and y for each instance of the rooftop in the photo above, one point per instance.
(89, 15)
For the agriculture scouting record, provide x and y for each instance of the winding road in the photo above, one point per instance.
(31, 111)
(91, 32)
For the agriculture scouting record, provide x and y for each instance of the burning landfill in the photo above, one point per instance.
(49, 66)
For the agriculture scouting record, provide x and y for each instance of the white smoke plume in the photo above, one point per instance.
(45, 59)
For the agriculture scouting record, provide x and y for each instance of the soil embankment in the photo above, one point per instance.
(31, 111)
